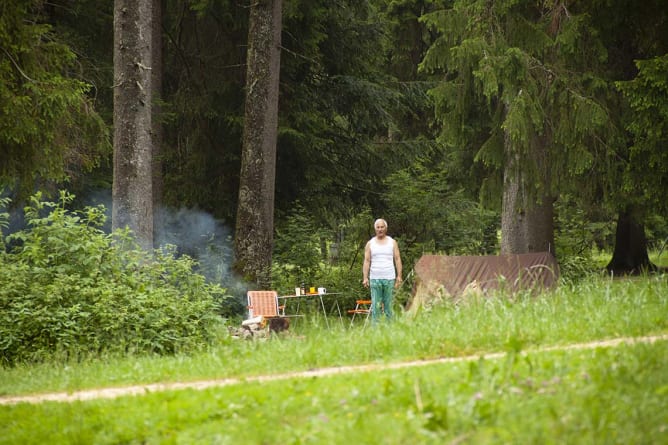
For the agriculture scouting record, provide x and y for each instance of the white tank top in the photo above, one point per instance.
(382, 259)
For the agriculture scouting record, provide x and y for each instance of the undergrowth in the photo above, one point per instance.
(69, 291)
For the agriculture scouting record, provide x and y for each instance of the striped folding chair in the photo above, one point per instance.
(264, 303)
(362, 308)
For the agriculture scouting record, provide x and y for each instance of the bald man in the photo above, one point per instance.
(381, 270)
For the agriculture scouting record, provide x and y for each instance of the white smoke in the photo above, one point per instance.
(199, 235)
(194, 233)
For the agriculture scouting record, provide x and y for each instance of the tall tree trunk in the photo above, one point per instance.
(133, 148)
(156, 118)
(254, 237)
(527, 220)
(630, 256)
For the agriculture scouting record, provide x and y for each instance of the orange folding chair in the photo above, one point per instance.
(362, 307)
(264, 303)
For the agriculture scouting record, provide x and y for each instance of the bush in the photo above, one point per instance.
(67, 288)
(297, 255)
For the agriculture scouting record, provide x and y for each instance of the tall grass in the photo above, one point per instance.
(599, 396)
(592, 310)
(602, 395)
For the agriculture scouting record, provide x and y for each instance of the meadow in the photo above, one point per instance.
(517, 382)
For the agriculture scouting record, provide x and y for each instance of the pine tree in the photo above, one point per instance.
(133, 119)
(526, 76)
(253, 241)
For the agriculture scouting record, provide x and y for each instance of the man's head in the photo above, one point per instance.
(380, 226)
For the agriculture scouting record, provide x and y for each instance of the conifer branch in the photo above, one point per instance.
(297, 54)
(18, 67)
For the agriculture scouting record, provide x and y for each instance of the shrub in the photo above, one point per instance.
(297, 254)
(67, 288)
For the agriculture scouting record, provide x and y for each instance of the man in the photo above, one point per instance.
(381, 270)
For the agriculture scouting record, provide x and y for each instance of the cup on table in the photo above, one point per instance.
(311, 290)
(322, 291)
(297, 290)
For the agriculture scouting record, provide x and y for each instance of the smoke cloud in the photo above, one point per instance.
(194, 233)
(197, 234)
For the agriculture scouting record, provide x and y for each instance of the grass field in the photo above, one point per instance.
(602, 395)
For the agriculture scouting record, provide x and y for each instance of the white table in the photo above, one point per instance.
(320, 297)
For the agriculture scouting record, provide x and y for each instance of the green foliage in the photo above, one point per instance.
(521, 78)
(657, 232)
(49, 129)
(647, 96)
(345, 121)
(426, 214)
(579, 234)
(4, 221)
(339, 107)
(303, 253)
(353, 234)
(69, 289)
(429, 215)
(297, 250)
(204, 68)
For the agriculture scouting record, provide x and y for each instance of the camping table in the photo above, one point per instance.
(321, 298)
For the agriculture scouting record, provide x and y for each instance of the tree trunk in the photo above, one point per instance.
(132, 184)
(630, 256)
(156, 118)
(254, 235)
(527, 221)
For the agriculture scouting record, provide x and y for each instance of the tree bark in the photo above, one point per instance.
(156, 118)
(254, 237)
(527, 215)
(630, 256)
(132, 190)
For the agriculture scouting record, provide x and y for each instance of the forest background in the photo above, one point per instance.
(457, 121)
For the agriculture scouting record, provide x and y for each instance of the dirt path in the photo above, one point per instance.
(110, 393)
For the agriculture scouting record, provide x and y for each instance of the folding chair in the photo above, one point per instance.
(264, 303)
(362, 307)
